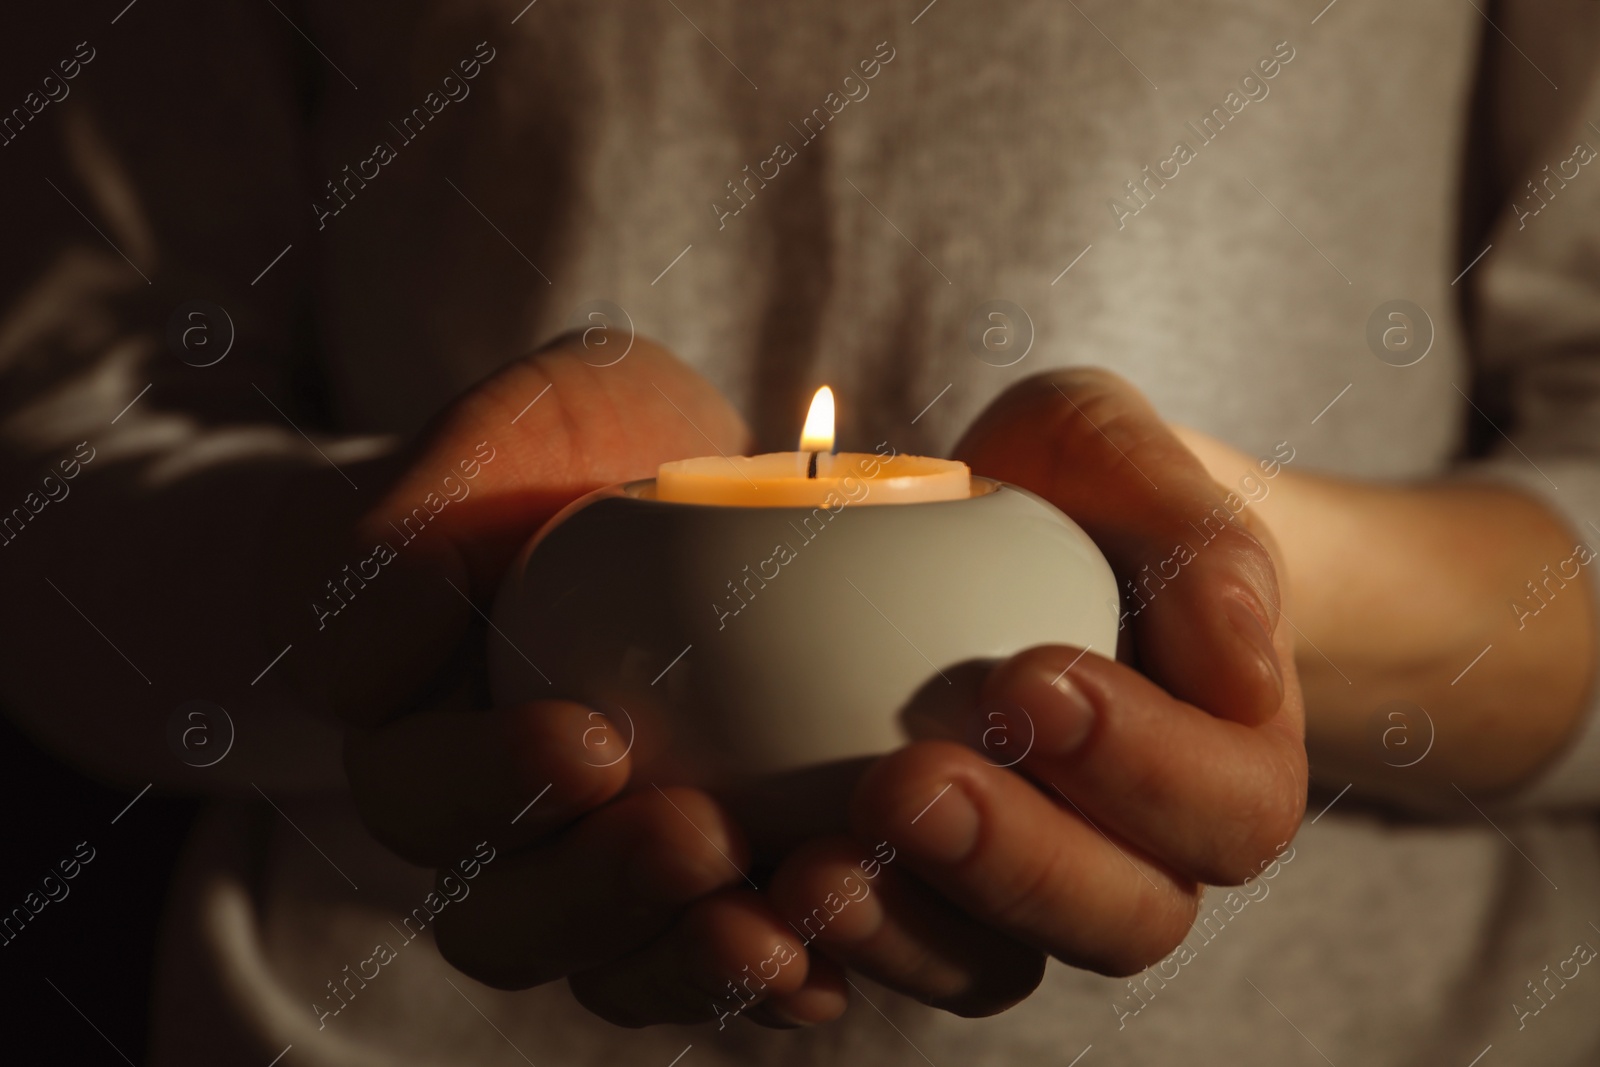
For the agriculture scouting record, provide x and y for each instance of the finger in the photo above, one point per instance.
(431, 785)
(782, 811)
(823, 998)
(996, 847)
(1198, 587)
(1212, 798)
(899, 933)
(727, 954)
(613, 882)
(543, 431)
(383, 606)
(374, 626)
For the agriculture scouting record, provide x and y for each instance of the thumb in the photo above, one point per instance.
(542, 432)
(1199, 589)
(412, 576)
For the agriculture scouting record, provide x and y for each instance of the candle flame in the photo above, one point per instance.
(818, 433)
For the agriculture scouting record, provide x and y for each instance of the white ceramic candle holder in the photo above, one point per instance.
(730, 642)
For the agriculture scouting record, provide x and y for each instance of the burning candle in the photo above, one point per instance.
(732, 624)
(814, 475)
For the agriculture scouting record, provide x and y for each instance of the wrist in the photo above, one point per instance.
(1407, 593)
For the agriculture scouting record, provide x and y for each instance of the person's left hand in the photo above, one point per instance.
(1140, 785)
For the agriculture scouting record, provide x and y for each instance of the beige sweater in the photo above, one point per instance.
(391, 200)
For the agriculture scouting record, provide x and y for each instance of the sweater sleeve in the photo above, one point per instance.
(153, 297)
(1534, 306)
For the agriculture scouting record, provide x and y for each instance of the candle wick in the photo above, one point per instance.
(811, 468)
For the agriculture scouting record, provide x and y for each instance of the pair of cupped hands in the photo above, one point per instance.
(1179, 764)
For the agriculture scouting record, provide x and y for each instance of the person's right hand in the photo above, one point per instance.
(631, 892)
(1123, 786)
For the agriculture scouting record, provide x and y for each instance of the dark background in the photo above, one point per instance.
(98, 944)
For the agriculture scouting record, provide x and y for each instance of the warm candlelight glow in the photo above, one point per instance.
(818, 433)
(815, 477)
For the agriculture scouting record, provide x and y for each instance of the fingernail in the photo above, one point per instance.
(1248, 625)
(947, 829)
(862, 918)
(1065, 723)
(1044, 708)
(809, 1006)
